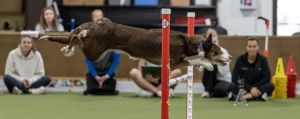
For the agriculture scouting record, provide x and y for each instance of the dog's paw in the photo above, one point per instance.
(209, 66)
(199, 68)
(68, 52)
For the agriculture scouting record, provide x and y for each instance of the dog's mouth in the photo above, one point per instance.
(222, 60)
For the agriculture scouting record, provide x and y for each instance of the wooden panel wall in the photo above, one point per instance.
(58, 65)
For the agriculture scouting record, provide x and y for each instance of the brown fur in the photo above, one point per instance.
(96, 38)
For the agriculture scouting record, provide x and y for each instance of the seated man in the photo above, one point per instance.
(24, 69)
(254, 69)
(150, 85)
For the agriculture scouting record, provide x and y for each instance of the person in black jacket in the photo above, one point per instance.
(254, 69)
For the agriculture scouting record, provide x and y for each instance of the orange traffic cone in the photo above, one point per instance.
(291, 78)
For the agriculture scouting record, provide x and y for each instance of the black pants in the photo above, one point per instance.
(213, 86)
(11, 82)
(266, 88)
(108, 86)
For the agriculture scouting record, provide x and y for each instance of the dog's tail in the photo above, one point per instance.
(59, 39)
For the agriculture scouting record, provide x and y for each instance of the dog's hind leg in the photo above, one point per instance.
(59, 39)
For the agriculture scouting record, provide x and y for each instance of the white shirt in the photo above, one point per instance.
(20, 67)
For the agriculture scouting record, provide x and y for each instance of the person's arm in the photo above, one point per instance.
(141, 63)
(40, 69)
(115, 62)
(91, 67)
(266, 74)
(10, 69)
(39, 28)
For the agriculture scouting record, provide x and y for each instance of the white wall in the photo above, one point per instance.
(241, 22)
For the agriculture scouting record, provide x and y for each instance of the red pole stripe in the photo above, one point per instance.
(165, 66)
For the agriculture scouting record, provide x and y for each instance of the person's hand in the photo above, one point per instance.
(25, 82)
(101, 80)
(255, 92)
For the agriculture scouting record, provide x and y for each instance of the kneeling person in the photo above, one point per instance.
(100, 78)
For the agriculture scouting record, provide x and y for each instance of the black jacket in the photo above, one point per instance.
(255, 74)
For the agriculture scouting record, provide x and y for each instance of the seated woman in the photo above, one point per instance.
(24, 70)
(216, 82)
(254, 69)
(150, 85)
(48, 22)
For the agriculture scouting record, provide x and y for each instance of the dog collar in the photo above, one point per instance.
(201, 43)
(201, 49)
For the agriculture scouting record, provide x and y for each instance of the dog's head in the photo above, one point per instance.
(214, 52)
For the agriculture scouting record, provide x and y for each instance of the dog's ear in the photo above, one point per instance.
(208, 42)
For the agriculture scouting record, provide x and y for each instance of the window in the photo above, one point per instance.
(288, 18)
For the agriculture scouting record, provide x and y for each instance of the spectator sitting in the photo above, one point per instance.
(48, 21)
(254, 69)
(96, 15)
(150, 85)
(100, 78)
(24, 70)
(216, 82)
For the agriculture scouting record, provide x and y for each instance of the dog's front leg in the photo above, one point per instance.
(199, 61)
(68, 52)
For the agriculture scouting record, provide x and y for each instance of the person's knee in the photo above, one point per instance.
(221, 89)
(7, 77)
(47, 78)
(134, 72)
(233, 88)
(272, 87)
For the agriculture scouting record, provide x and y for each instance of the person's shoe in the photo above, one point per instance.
(16, 91)
(205, 94)
(37, 91)
(143, 93)
(171, 93)
(264, 97)
(53, 83)
(231, 96)
(159, 93)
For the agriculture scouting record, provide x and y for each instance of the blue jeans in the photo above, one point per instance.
(11, 82)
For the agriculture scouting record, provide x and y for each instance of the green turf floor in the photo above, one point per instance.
(126, 106)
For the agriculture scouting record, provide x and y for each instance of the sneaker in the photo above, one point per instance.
(231, 96)
(40, 90)
(264, 97)
(16, 91)
(143, 93)
(53, 83)
(171, 93)
(205, 94)
(159, 93)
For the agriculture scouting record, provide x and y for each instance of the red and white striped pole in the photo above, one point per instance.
(165, 62)
(191, 23)
(189, 98)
